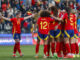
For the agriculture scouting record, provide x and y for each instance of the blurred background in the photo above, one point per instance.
(9, 9)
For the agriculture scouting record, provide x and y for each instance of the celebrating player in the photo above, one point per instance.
(76, 47)
(68, 31)
(55, 33)
(43, 30)
(16, 30)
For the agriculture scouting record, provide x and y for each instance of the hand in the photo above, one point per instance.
(33, 15)
(56, 27)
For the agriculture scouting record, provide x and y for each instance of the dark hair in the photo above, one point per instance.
(54, 10)
(45, 14)
(18, 12)
(68, 10)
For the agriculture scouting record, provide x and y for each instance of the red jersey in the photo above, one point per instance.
(16, 25)
(43, 24)
(69, 23)
(75, 25)
(54, 24)
(62, 23)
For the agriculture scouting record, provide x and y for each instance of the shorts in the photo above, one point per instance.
(17, 36)
(69, 33)
(62, 33)
(55, 34)
(42, 36)
(75, 35)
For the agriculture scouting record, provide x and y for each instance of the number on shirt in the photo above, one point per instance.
(43, 25)
(71, 19)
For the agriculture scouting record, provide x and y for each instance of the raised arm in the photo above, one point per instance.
(25, 18)
(8, 19)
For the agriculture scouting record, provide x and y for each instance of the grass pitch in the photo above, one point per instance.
(28, 51)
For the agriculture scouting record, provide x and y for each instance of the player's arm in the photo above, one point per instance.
(56, 18)
(8, 19)
(25, 18)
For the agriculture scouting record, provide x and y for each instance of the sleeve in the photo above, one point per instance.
(51, 19)
(21, 19)
(12, 19)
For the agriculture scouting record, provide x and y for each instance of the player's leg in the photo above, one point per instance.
(18, 44)
(52, 42)
(48, 47)
(62, 44)
(15, 46)
(76, 45)
(58, 48)
(72, 43)
(40, 36)
(67, 45)
(45, 45)
(37, 47)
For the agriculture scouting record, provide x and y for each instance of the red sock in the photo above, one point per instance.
(18, 47)
(73, 48)
(64, 49)
(48, 49)
(77, 48)
(45, 49)
(15, 48)
(61, 46)
(52, 48)
(67, 47)
(37, 48)
(58, 47)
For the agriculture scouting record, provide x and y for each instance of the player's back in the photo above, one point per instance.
(43, 24)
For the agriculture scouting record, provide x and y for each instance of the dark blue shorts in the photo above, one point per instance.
(69, 33)
(55, 34)
(42, 36)
(17, 36)
(76, 36)
(62, 33)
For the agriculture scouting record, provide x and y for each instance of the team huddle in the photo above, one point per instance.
(58, 30)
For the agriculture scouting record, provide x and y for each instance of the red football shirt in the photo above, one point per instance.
(43, 24)
(75, 25)
(16, 25)
(69, 23)
(54, 23)
(62, 23)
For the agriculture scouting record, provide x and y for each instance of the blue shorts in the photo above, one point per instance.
(69, 33)
(42, 36)
(75, 35)
(17, 36)
(62, 33)
(55, 34)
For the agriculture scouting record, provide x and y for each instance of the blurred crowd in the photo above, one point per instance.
(9, 9)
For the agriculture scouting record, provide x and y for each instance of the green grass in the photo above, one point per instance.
(28, 51)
